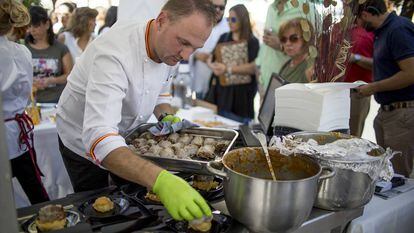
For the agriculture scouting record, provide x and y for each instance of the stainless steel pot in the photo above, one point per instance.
(347, 189)
(260, 203)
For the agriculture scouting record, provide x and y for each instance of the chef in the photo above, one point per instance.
(16, 78)
(120, 80)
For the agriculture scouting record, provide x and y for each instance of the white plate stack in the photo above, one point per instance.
(313, 106)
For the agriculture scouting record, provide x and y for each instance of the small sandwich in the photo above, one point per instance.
(204, 183)
(50, 218)
(201, 225)
(152, 197)
(103, 204)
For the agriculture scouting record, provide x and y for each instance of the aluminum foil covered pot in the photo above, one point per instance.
(358, 163)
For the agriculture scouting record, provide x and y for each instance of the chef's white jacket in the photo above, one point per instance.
(16, 78)
(113, 88)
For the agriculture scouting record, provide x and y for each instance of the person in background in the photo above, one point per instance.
(359, 69)
(110, 19)
(16, 78)
(271, 58)
(51, 59)
(100, 18)
(118, 83)
(80, 31)
(63, 13)
(236, 101)
(296, 48)
(393, 86)
(200, 72)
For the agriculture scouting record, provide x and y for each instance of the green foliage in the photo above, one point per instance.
(29, 3)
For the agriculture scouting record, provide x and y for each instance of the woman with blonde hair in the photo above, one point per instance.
(16, 78)
(296, 46)
(80, 31)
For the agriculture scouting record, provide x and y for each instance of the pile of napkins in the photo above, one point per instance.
(313, 106)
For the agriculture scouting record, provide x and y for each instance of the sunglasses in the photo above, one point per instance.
(232, 19)
(219, 7)
(292, 38)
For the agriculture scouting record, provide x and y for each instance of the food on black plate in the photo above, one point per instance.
(103, 204)
(201, 225)
(204, 184)
(152, 197)
(51, 217)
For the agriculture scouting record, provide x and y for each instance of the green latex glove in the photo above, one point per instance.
(180, 199)
(171, 118)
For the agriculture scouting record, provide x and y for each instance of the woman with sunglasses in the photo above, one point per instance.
(297, 49)
(236, 101)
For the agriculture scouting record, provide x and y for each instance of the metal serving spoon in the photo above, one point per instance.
(263, 142)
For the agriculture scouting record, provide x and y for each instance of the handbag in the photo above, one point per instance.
(232, 53)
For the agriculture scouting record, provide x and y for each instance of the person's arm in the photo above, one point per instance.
(202, 56)
(124, 163)
(67, 67)
(362, 61)
(61, 38)
(400, 80)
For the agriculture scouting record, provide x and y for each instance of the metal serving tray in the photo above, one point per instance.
(187, 165)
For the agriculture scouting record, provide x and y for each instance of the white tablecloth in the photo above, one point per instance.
(56, 179)
(395, 215)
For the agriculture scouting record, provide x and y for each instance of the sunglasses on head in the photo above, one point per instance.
(219, 7)
(292, 38)
(232, 19)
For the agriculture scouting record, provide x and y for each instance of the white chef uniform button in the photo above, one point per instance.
(145, 60)
(146, 92)
(141, 117)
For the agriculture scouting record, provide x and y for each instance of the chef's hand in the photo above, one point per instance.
(171, 118)
(180, 199)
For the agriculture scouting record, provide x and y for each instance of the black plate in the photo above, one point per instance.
(140, 195)
(213, 194)
(120, 206)
(220, 223)
(72, 218)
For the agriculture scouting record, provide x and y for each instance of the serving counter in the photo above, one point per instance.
(320, 221)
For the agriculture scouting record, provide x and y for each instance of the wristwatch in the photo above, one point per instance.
(357, 58)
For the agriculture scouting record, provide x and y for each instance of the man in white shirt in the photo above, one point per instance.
(200, 72)
(120, 80)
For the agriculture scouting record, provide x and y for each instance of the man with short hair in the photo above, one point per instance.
(120, 80)
(393, 84)
(200, 72)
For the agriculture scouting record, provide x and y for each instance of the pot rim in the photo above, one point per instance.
(270, 180)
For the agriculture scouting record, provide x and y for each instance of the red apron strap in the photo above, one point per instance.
(26, 139)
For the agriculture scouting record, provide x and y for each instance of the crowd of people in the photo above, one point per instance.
(108, 84)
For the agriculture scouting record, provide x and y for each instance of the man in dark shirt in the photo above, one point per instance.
(393, 84)
(360, 70)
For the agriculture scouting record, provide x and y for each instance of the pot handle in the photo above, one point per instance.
(219, 172)
(329, 175)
